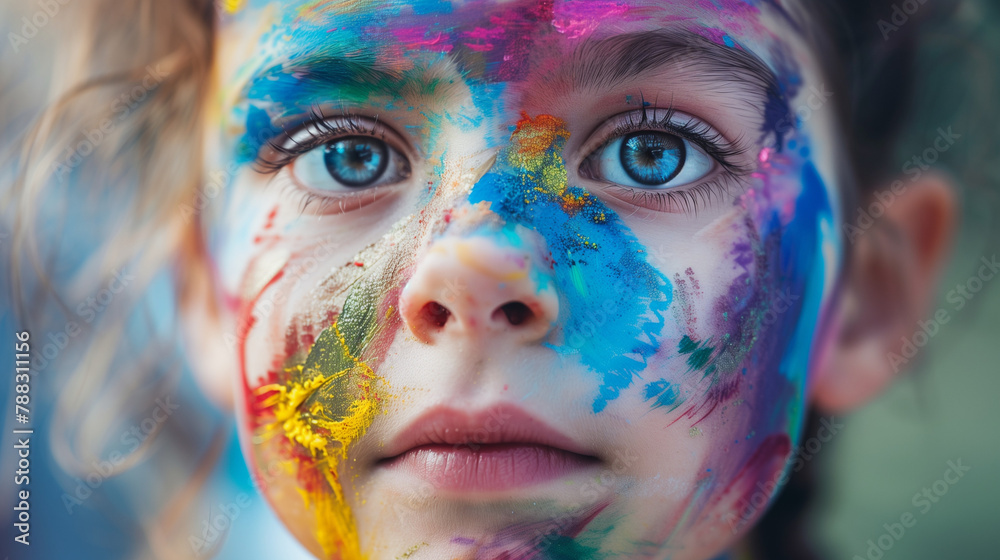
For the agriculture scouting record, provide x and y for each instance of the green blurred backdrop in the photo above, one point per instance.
(948, 407)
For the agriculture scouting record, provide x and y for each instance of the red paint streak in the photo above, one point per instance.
(244, 324)
(717, 394)
(308, 340)
(270, 218)
(694, 281)
(762, 470)
(580, 525)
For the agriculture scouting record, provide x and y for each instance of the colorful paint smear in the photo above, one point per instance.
(322, 407)
(613, 300)
(599, 266)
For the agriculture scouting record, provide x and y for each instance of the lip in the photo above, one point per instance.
(496, 448)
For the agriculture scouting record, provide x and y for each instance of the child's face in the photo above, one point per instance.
(523, 278)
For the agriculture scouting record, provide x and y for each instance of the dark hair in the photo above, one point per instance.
(870, 50)
(872, 63)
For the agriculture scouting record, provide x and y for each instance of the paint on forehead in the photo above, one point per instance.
(313, 53)
(615, 299)
(502, 32)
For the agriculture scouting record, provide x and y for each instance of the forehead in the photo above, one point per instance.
(391, 33)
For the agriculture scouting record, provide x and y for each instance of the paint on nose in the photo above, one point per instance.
(479, 287)
(612, 300)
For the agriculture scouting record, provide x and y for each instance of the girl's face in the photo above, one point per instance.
(523, 279)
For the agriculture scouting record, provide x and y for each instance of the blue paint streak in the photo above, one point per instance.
(614, 327)
(803, 264)
(662, 393)
(259, 131)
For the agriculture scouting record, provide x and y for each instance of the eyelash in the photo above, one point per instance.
(283, 149)
(687, 199)
(321, 130)
(351, 125)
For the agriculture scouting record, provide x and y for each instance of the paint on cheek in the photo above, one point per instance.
(756, 483)
(320, 409)
(550, 539)
(615, 300)
(700, 357)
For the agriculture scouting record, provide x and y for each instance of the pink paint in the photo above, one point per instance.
(578, 19)
(760, 474)
(482, 38)
(712, 34)
(417, 38)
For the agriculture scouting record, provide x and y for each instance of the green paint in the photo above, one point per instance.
(567, 548)
(331, 356)
(576, 275)
(699, 354)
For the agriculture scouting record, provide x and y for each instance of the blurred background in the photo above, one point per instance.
(887, 461)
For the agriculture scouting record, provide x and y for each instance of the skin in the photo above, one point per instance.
(689, 379)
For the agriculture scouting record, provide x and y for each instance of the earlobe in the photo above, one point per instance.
(211, 359)
(893, 267)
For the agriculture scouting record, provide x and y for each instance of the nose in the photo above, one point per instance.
(482, 287)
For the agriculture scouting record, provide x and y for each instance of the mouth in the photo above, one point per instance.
(498, 448)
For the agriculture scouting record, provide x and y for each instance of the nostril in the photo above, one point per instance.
(516, 312)
(435, 314)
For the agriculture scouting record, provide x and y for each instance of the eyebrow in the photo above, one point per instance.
(313, 75)
(341, 77)
(605, 63)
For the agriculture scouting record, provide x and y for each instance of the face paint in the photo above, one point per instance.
(594, 257)
(679, 354)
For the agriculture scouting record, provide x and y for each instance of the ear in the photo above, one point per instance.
(893, 266)
(209, 356)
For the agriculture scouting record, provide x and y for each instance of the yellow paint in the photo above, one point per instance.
(232, 6)
(321, 10)
(536, 146)
(327, 440)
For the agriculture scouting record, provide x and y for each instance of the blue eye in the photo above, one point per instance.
(651, 159)
(350, 163)
(356, 161)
